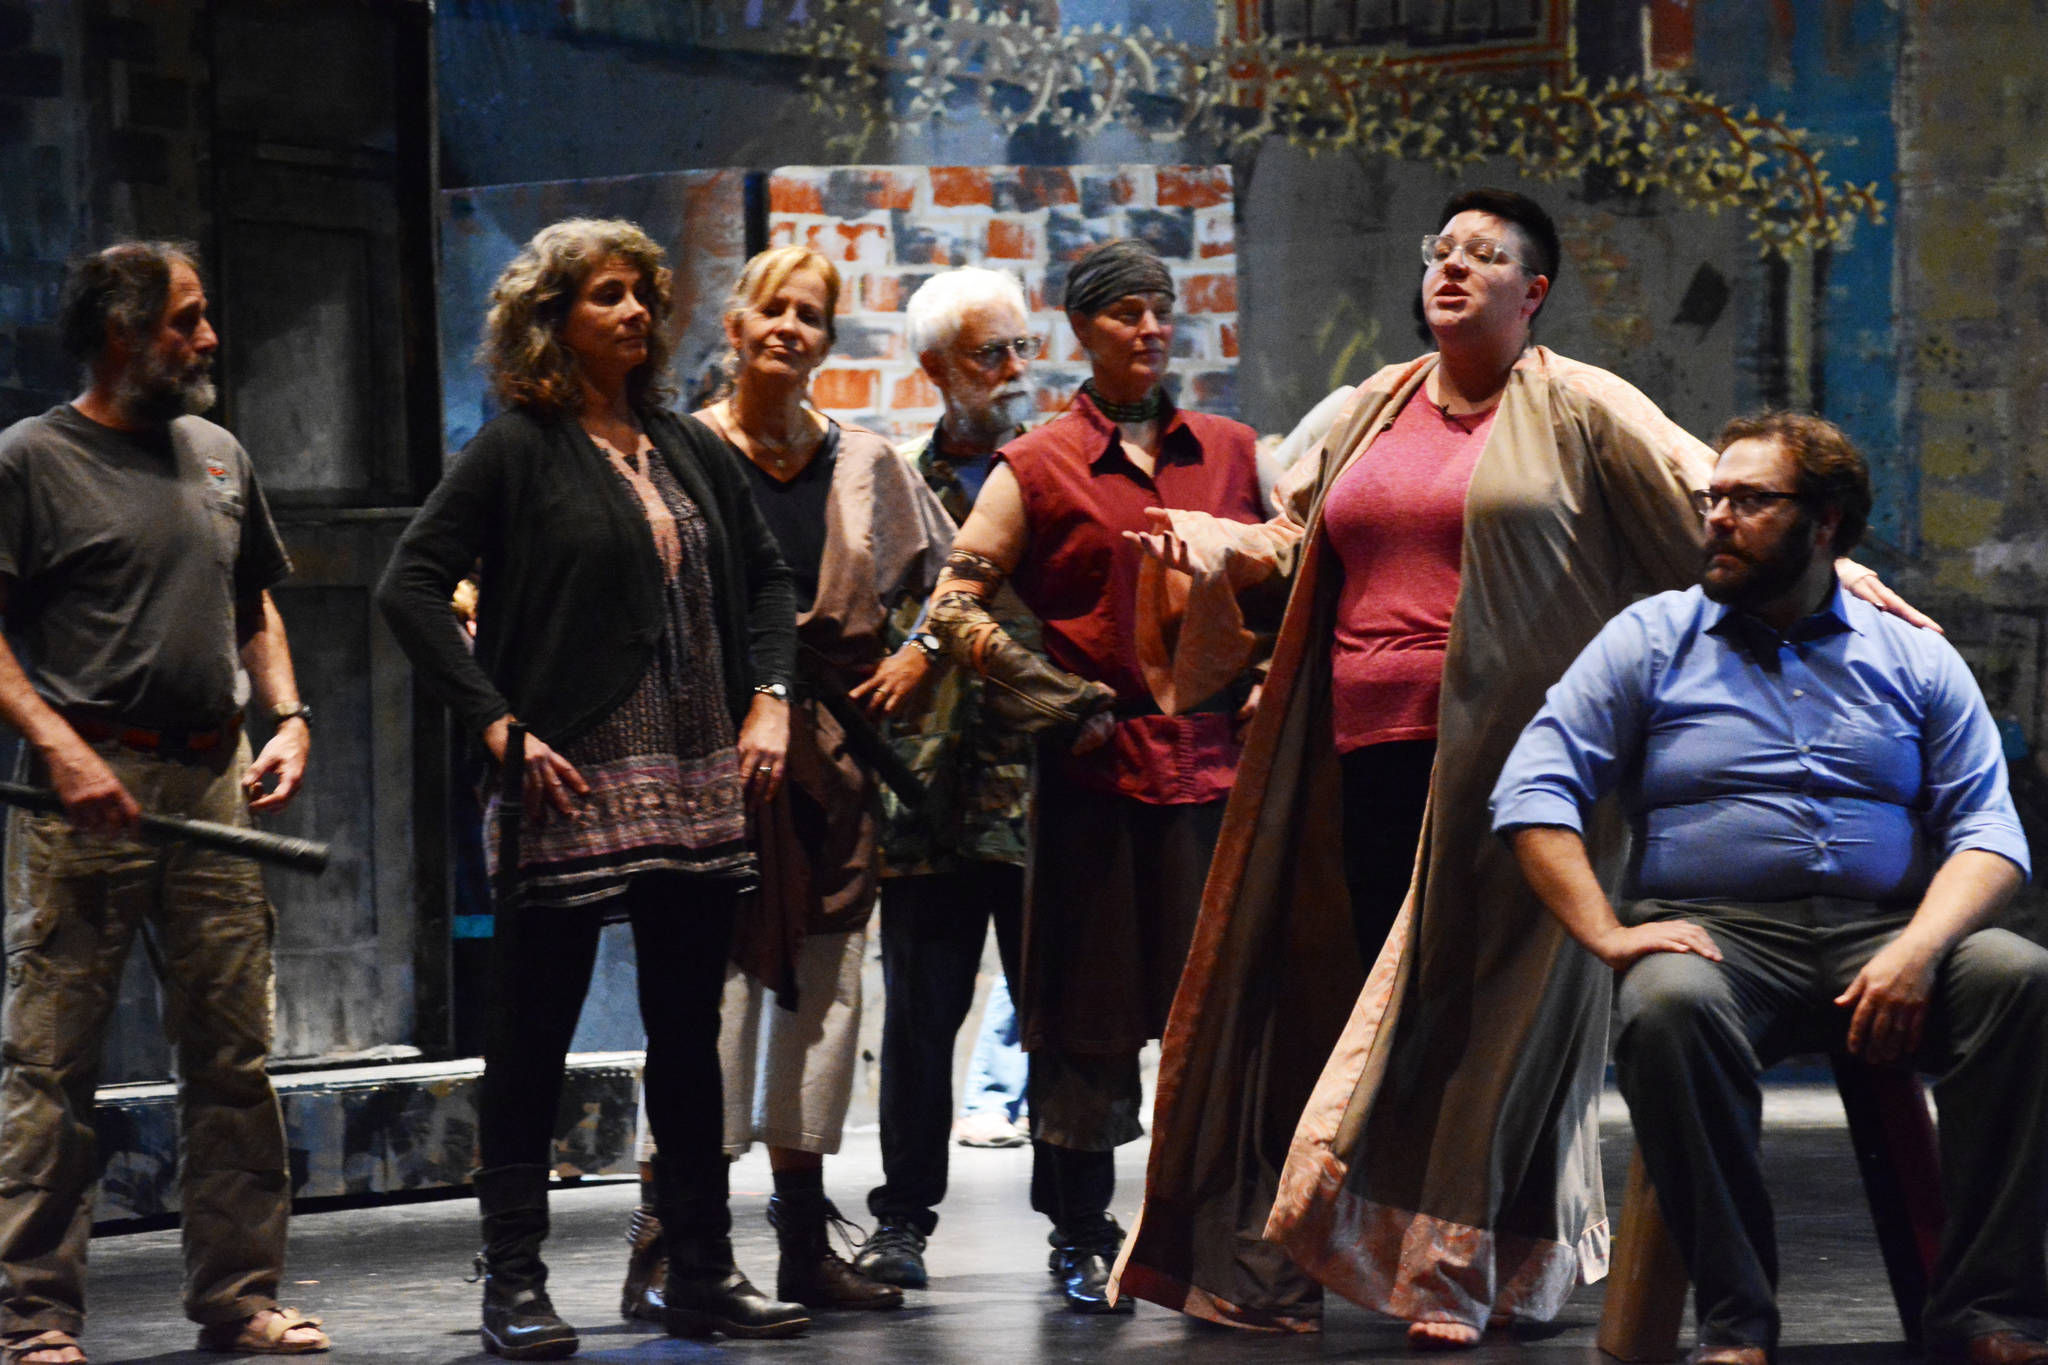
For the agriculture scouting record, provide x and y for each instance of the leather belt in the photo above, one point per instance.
(150, 741)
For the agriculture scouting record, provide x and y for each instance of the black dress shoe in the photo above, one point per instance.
(1083, 1274)
(894, 1255)
(727, 1302)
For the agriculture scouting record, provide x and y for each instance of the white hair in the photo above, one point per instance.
(933, 316)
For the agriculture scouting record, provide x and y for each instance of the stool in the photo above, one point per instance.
(1893, 1134)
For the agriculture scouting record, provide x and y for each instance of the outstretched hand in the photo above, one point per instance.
(1189, 541)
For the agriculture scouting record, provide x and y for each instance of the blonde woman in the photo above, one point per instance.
(860, 531)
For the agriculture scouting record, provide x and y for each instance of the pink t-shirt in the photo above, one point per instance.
(1396, 519)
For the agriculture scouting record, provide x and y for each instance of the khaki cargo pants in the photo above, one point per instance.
(74, 906)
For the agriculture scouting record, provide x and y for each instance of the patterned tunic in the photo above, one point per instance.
(665, 787)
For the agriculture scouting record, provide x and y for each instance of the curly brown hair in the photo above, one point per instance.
(1830, 470)
(522, 350)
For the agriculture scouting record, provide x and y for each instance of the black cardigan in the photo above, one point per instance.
(572, 602)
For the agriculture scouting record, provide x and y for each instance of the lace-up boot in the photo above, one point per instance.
(811, 1271)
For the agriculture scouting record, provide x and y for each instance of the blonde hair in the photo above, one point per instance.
(767, 272)
(522, 348)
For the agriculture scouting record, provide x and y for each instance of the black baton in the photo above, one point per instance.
(302, 855)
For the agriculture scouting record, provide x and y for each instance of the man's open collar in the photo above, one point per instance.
(1832, 618)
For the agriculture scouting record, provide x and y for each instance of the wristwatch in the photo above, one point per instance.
(930, 644)
(288, 710)
(777, 690)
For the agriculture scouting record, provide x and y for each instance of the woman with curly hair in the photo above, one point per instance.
(636, 617)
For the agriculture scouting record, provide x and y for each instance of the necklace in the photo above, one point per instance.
(780, 458)
(1144, 410)
(1464, 421)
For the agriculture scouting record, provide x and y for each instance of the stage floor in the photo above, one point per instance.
(389, 1280)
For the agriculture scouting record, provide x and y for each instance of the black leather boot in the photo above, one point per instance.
(811, 1272)
(706, 1293)
(519, 1321)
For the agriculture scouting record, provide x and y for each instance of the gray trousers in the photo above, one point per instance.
(74, 906)
(1694, 1034)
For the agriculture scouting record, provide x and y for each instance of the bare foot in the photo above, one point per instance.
(268, 1331)
(1442, 1336)
(288, 1328)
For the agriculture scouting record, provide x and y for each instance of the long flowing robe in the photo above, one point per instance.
(1443, 1162)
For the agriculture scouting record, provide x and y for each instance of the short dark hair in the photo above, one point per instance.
(1519, 209)
(126, 284)
(1831, 471)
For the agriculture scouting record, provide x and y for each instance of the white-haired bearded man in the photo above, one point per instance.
(955, 866)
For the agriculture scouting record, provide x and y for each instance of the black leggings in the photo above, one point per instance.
(541, 961)
(1386, 787)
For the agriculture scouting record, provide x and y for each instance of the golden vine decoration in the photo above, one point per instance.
(881, 64)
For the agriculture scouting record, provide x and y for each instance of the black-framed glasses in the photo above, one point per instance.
(1438, 249)
(1744, 502)
(996, 352)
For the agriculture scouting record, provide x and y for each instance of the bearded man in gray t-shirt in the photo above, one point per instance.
(136, 554)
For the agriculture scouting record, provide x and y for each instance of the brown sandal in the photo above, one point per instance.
(244, 1337)
(17, 1350)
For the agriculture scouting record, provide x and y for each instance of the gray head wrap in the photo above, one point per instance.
(1111, 271)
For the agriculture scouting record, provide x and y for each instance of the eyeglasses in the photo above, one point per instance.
(1438, 249)
(993, 354)
(1744, 502)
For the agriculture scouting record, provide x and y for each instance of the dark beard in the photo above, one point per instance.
(153, 392)
(1764, 578)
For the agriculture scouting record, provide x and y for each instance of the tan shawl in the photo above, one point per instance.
(1445, 1163)
(886, 536)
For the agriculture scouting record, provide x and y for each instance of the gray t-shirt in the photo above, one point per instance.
(127, 553)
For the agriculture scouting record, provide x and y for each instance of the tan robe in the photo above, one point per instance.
(1445, 1164)
(886, 537)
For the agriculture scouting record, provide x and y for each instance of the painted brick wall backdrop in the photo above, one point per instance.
(889, 228)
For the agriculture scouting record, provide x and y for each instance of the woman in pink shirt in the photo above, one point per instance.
(1428, 1145)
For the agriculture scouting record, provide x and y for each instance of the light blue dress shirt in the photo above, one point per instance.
(1850, 758)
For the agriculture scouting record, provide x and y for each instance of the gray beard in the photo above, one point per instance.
(151, 392)
(993, 424)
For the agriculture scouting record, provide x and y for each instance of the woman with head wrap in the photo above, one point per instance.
(635, 616)
(1128, 799)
